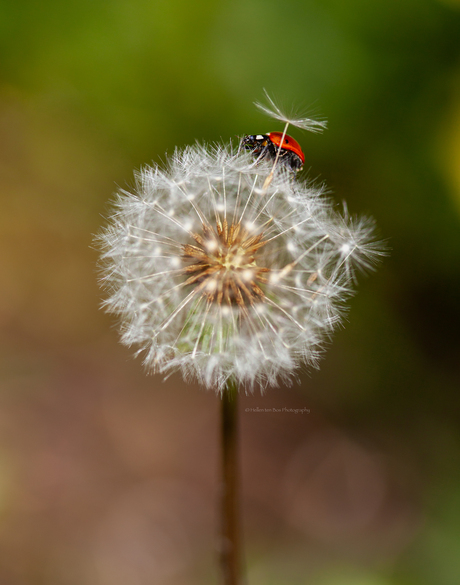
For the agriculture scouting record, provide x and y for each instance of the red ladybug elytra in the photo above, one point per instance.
(267, 146)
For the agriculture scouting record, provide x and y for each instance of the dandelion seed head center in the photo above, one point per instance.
(222, 264)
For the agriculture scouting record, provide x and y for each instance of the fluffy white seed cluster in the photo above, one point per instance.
(220, 274)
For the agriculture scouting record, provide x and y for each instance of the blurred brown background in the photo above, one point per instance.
(110, 477)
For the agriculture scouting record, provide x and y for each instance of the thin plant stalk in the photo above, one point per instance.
(230, 534)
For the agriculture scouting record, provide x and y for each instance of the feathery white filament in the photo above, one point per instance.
(275, 112)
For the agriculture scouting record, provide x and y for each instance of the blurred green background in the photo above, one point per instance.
(108, 476)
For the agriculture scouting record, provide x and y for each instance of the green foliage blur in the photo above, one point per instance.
(91, 90)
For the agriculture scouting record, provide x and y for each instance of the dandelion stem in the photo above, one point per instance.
(229, 545)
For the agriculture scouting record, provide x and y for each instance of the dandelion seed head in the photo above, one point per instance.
(219, 274)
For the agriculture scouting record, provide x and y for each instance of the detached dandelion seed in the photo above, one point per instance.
(225, 268)
(302, 122)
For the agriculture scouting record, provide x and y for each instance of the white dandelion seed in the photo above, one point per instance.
(219, 275)
(276, 112)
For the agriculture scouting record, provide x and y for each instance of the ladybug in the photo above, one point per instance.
(267, 146)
